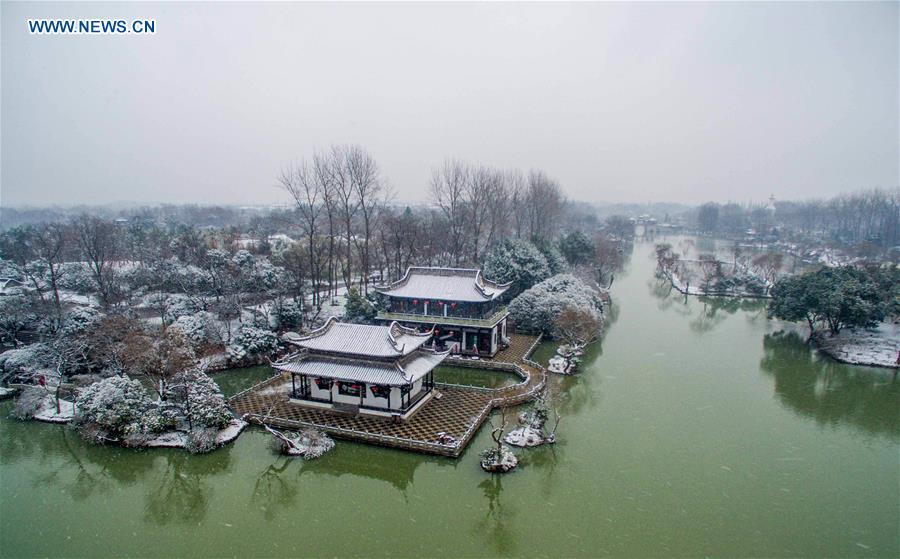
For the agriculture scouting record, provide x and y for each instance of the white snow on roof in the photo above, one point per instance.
(370, 372)
(447, 284)
(361, 339)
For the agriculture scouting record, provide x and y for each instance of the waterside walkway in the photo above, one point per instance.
(458, 412)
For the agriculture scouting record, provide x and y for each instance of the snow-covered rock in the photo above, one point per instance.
(498, 462)
(6, 392)
(566, 350)
(306, 444)
(311, 444)
(524, 436)
(561, 366)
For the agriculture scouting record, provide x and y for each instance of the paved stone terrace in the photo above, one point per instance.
(459, 412)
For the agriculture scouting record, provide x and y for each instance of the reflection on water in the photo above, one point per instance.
(232, 381)
(180, 492)
(274, 490)
(394, 467)
(496, 526)
(829, 392)
(704, 313)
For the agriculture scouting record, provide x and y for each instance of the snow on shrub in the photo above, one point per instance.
(31, 359)
(199, 329)
(79, 319)
(358, 309)
(201, 440)
(112, 408)
(75, 276)
(517, 261)
(179, 305)
(537, 308)
(288, 314)
(252, 342)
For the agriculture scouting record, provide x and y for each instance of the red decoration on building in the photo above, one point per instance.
(415, 301)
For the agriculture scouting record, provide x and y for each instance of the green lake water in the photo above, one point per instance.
(695, 429)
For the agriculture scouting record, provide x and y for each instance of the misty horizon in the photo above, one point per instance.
(620, 103)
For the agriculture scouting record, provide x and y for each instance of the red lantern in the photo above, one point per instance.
(415, 301)
(452, 305)
(427, 301)
(440, 303)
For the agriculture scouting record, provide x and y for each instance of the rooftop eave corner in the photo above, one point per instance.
(295, 338)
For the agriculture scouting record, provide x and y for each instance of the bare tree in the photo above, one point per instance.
(97, 240)
(305, 184)
(51, 241)
(498, 207)
(545, 205)
(518, 194)
(157, 355)
(477, 195)
(340, 174)
(448, 186)
(367, 185)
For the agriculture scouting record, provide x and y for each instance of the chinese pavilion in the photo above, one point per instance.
(377, 370)
(460, 305)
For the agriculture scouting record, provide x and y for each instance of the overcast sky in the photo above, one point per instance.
(619, 102)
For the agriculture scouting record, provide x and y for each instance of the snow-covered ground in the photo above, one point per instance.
(879, 346)
(77, 298)
(47, 411)
(178, 439)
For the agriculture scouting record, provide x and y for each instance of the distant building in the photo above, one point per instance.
(376, 370)
(460, 304)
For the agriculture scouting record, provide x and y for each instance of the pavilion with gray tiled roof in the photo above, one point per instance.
(459, 305)
(379, 370)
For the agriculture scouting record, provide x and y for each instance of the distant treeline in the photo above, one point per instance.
(869, 216)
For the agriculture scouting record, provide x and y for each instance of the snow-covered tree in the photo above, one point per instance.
(79, 320)
(576, 248)
(199, 329)
(252, 342)
(358, 308)
(158, 355)
(555, 259)
(17, 315)
(517, 261)
(537, 308)
(75, 276)
(178, 305)
(200, 400)
(287, 313)
(112, 408)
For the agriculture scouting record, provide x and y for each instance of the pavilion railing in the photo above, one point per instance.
(503, 397)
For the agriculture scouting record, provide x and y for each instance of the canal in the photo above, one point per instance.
(696, 428)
